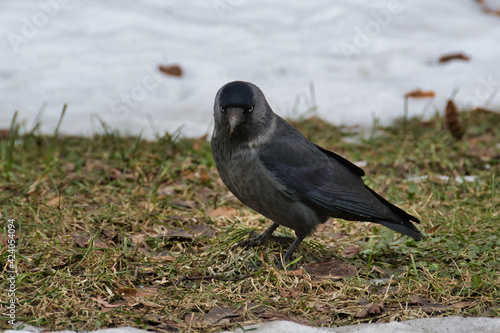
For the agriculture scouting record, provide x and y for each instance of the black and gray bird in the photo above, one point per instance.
(272, 168)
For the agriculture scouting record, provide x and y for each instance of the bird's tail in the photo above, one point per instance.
(400, 222)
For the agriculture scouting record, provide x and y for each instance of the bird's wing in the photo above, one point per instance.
(318, 176)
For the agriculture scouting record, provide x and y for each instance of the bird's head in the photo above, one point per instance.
(239, 109)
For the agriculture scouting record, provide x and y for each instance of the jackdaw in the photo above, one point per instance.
(272, 168)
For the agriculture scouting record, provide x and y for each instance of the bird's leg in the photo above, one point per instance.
(291, 250)
(260, 239)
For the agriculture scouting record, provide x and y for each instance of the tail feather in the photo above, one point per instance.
(401, 222)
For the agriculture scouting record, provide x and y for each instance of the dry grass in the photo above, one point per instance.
(119, 231)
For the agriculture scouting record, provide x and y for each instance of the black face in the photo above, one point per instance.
(236, 94)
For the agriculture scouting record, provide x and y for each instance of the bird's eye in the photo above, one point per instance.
(251, 109)
(222, 109)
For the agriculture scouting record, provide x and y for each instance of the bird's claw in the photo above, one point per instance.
(252, 242)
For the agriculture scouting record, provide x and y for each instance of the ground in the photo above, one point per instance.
(114, 231)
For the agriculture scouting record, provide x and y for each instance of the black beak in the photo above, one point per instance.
(234, 117)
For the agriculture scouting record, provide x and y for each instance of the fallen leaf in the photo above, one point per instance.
(415, 299)
(193, 319)
(223, 211)
(116, 173)
(165, 191)
(290, 292)
(351, 251)
(54, 202)
(80, 240)
(453, 56)
(461, 305)
(137, 239)
(163, 258)
(432, 308)
(432, 230)
(220, 316)
(126, 292)
(172, 70)
(148, 303)
(296, 272)
(420, 94)
(488, 9)
(189, 231)
(147, 292)
(370, 309)
(197, 143)
(188, 174)
(4, 133)
(203, 175)
(104, 306)
(84, 241)
(333, 269)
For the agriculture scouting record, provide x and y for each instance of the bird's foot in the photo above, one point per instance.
(262, 238)
(254, 241)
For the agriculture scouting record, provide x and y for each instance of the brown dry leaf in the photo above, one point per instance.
(100, 244)
(197, 143)
(163, 258)
(147, 292)
(333, 269)
(326, 227)
(370, 309)
(69, 167)
(84, 241)
(203, 175)
(290, 293)
(297, 272)
(148, 303)
(351, 251)
(487, 9)
(165, 191)
(55, 202)
(126, 292)
(193, 319)
(420, 94)
(188, 174)
(4, 133)
(137, 239)
(433, 308)
(80, 240)
(189, 231)
(483, 147)
(453, 120)
(461, 305)
(453, 56)
(223, 211)
(172, 70)
(220, 316)
(432, 230)
(104, 306)
(415, 299)
(5, 239)
(116, 173)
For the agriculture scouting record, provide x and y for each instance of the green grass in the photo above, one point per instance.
(122, 231)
